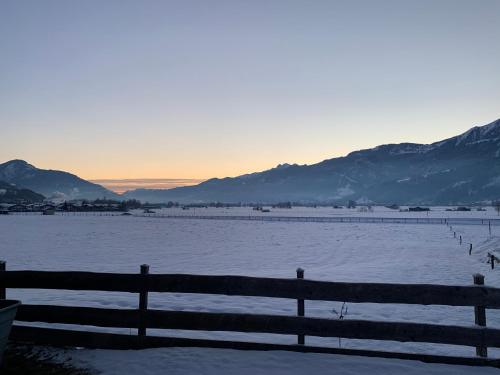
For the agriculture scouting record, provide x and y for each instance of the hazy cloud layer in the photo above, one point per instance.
(121, 186)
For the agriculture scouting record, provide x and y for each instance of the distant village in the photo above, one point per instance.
(107, 205)
(50, 208)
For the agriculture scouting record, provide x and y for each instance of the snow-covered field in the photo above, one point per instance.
(401, 253)
(376, 211)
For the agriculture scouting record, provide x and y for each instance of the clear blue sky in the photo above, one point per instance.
(195, 89)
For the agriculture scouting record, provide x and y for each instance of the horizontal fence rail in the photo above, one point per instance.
(100, 340)
(477, 296)
(422, 294)
(258, 323)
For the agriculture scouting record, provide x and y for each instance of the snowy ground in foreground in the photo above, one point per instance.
(338, 252)
(175, 361)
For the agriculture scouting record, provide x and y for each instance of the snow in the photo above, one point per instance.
(486, 129)
(377, 211)
(410, 149)
(215, 362)
(494, 182)
(460, 183)
(480, 132)
(400, 253)
(16, 167)
(284, 166)
(403, 148)
(489, 245)
(343, 192)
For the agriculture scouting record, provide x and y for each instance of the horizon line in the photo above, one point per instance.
(121, 186)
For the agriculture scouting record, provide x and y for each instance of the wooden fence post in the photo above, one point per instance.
(3, 292)
(143, 300)
(480, 316)
(300, 307)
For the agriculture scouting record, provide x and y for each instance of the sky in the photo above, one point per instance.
(198, 89)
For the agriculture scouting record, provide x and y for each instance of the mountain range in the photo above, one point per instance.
(460, 170)
(55, 185)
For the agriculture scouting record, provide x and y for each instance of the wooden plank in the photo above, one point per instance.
(71, 281)
(300, 307)
(119, 318)
(480, 316)
(423, 294)
(143, 300)
(98, 340)
(277, 324)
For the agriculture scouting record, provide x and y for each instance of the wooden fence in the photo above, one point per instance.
(335, 219)
(493, 259)
(294, 219)
(477, 296)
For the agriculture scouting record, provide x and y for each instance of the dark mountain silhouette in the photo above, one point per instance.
(461, 169)
(52, 184)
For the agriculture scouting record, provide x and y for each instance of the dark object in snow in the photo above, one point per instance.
(8, 310)
(24, 360)
(418, 209)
